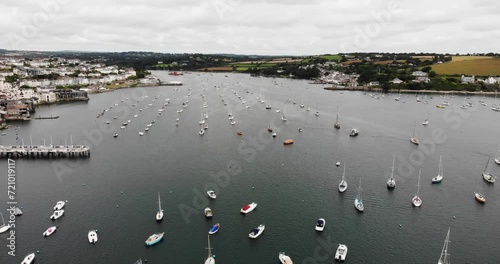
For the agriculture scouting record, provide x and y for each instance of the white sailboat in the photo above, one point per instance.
(210, 258)
(426, 121)
(358, 201)
(445, 256)
(391, 183)
(487, 176)
(337, 124)
(414, 139)
(439, 177)
(159, 214)
(343, 183)
(416, 199)
(3, 227)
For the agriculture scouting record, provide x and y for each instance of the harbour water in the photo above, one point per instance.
(115, 190)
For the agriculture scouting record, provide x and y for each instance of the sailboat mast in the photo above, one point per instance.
(209, 248)
(443, 259)
(392, 168)
(418, 184)
(159, 202)
(343, 174)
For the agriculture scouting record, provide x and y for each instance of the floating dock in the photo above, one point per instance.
(32, 151)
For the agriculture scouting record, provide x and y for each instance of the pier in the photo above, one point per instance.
(47, 117)
(32, 151)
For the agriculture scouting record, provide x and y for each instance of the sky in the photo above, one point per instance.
(271, 27)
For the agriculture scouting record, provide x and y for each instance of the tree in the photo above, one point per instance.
(432, 74)
(426, 69)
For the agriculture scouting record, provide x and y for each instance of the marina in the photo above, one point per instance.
(31, 151)
(117, 187)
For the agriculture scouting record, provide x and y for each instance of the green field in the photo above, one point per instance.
(330, 57)
(478, 67)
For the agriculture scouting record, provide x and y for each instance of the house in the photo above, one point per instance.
(466, 79)
(421, 79)
(396, 81)
(491, 80)
(373, 83)
(419, 74)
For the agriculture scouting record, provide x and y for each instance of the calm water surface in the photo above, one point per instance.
(115, 190)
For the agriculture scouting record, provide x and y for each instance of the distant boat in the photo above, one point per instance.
(337, 123)
(211, 194)
(487, 176)
(17, 211)
(3, 227)
(439, 177)
(202, 132)
(320, 225)
(354, 132)
(49, 231)
(159, 214)
(210, 258)
(208, 212)
(414, 139)
(284, 258)
(445, 256)
(248, 208)
(391, 183)
(215, 228)
(426, 121)
(92, 236)
(29, 258)
(154, 238)
(343, 183)
(59, 205)
(480, 197)
(341, 252)
(416, 199)
(57, 214)
(288, 142)
(358, 201)
(141, 133)
(115, 135)
(256, 232)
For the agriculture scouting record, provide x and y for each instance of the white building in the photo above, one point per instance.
(466, 79)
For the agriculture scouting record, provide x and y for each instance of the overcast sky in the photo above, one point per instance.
(273, 27)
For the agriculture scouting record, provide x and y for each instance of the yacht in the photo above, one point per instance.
(439, 177)
(248, 208)
(49, 231)
(480, 197)
(391, 183)
(256, 232)
(159, 214)
(29, 258)
(59, 205)
(57, 214)
(487, 176)
(343, 183)
(354, 132)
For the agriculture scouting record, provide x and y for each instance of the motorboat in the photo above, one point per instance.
(146, 129)
(215, 228)
(233, 122)
(92, 236)
(256, 232)
(274, 134)
(341, 252)
(49, 231)
(320, 224)
(284, 259)
(57, 214)
(354, 132)
(29, 258)
(208, 212)
(479, 197)
(115, 135)
(154, 238)
(337, 164)
(288, 142)
(211, 194)
(202, 132)
(141, 133)
(59, 205)
(248, 208)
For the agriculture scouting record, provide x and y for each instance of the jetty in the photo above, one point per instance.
(47, 117)
(55, 151)
(171, 83)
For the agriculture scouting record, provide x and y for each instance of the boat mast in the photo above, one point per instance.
(486, 169)
(418, 184)
(392, 171)
(159, 202)
(444, 258)
(440, 165)
(343, 174)
(414, 123)
(209, 248)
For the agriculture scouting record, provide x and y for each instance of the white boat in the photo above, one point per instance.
(341, 252)
(337, 164)
(391, 183)
(59, 205)
(211, 194)
(445, 256)
(92, 236)
(480, 197)
(49, 231)
(233, 122)
(337, 123)
(210, 258)
(202, 132)
(159, 214)
(154, 238)
(17, 211)
(256, 232)
(343, 182)
(3, 227)
(208, 212)
(416, 199)
(141, 133)
(29, 258)
(487, 176)
(284, 259)
(439, 177)
(146, 129)
(320, 225)
(354, 132)
(358, 201)
(426, 121)
(57, 214)
(248, 208)
(497, 160)
(414, 139)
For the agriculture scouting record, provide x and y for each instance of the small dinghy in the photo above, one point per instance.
(57, 214)
(211, 194)
(92, 236)
(208, 212)
(320, 225)
(59, 205)
(49, 231)
(214, 229)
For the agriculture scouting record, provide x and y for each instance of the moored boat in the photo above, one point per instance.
(256, 232)
(416, 201)
(49, 231)
(59, 205)
(215, 228)
(159, 214)
(439, 177)
(210, 258)
(29, 258)
(208, 212)
(154, 238)
(57, 214)
(320, 224)
(354, 132)
(480, 197)
(288, 142)
(343, 183)
(341, 252)
(284, 259)
(3, 227)
(391, 183)
(248, 208)
(211, 194)
(487, 176)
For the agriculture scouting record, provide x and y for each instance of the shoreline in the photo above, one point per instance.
(369, 89)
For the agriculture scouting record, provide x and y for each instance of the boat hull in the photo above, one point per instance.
(359, 205)
(154, 239)
(248, 208)
(29, 258)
